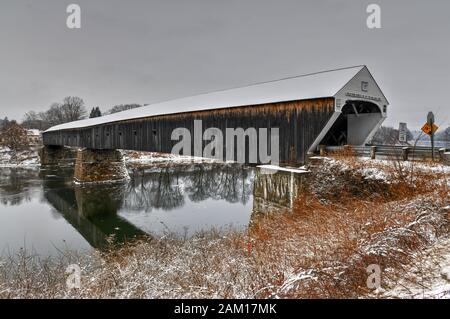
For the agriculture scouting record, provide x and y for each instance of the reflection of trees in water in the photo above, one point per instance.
(201, 184)
(15, 185)
(166, 189)
(154, 190)
(93, 210)
(229, 182)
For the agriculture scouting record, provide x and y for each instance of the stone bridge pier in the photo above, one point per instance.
(91, 165)
(57, 155)
(100, 166)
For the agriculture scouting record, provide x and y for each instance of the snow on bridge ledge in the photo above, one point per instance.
(309, 86)
(283, 169)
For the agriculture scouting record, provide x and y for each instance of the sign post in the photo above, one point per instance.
(430, 128)
(430, 121)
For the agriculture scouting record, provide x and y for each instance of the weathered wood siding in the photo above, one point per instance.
(299, 123)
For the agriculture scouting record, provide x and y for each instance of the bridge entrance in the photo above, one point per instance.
(354, 124)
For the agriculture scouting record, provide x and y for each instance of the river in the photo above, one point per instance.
(43, 211)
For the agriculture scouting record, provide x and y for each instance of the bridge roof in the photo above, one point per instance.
(308, 86)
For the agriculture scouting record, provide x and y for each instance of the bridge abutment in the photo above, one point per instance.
(100, 166)
(57, 155)
(446, 158)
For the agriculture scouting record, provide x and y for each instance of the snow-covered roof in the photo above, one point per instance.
(33, 132)
(307, 86)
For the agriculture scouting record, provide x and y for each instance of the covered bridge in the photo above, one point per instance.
(337, 107)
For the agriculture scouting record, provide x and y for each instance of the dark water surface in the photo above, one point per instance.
(42, 209)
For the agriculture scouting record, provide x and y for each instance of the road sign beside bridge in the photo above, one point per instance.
(429, 130)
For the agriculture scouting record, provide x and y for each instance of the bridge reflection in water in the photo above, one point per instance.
(116, 213)
(92, 211)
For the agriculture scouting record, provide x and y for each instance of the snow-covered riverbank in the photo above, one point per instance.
(427, 277)
(350, 214)
(30, 158)
(146, 158)
(25, 158)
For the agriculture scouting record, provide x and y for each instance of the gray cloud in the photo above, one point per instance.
(147, 51)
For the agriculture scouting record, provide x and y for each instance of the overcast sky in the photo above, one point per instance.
(147, 51)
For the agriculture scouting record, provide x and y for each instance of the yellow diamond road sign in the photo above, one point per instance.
(427, 129)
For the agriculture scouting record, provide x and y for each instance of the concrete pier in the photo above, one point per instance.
(446, 158)
(100, 166)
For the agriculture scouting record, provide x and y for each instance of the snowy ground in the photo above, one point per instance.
(30, 158)
(26, 158)
(428, 277)
(428, 274)
(134, 157)
(382, 170)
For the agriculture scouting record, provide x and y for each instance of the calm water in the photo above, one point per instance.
(44, 211)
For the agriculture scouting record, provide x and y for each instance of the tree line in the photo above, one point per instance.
(14, 135)
(388, 135)
(72, 108)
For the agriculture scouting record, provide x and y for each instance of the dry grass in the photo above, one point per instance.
(344, 222)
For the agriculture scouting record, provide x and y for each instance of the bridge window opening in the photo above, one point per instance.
(135, 133)
(120, 133)
(107, 134)
(354, 124)
(154, 133)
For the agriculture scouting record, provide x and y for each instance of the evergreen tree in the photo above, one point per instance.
(95, 112)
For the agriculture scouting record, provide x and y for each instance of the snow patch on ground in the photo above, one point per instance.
(379, 169)
(30, 158)
(374, 173)
(429, 276)
(25, 158)
(134, 157)
(368, 172)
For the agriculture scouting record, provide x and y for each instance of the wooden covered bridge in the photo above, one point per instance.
(337, 107)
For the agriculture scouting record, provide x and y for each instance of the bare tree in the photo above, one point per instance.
(33, 120)
(54, 114)
(30, 116)
(123, 107)
(73, 109)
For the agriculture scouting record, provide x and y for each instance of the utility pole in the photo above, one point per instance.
(430, 121)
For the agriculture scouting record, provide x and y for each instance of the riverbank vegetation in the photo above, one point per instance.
(352, 213)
